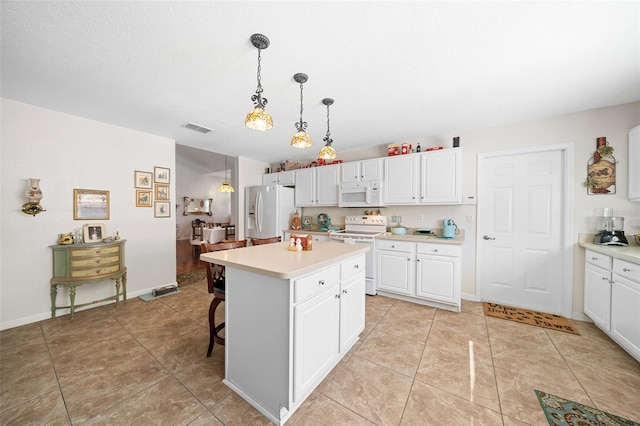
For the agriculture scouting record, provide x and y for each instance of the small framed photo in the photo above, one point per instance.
(89, 204)
(162, 209)
(142, 180)
(143, 198)
(162, 192)
(161, 175)
(94, 232)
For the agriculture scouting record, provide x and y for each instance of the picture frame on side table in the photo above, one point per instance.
(94, 232)
(161, 175)
(142, 180)
(90, 204)
(162, 209)
(162, 192)
(143, 198)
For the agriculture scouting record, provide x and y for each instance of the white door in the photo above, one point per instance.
(521, 228)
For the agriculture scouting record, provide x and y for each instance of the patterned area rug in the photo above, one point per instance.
(525, 316)
(191, 277)
(562, 412)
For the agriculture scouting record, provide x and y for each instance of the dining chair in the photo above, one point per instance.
(270, 240)
(216, 285)
(196, 234)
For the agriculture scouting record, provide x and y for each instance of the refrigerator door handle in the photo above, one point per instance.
(259, 212)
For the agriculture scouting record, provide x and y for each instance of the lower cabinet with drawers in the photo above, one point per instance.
(78, 264)
(612, 298)
(426, 273)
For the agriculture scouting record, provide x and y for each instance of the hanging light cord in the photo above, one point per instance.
(257, 98)
(302, 125)
(327, 139)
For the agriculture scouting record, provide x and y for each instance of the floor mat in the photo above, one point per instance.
(526, 316)
(563, 412)
(191, 277)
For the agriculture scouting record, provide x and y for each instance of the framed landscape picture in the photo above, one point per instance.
(143, 198)
(142, 180)
(162, 192)
(89, 204)
(162, 209)
(161, 175)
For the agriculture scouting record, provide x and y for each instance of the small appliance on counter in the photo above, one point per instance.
(610, 229)
(449, 228)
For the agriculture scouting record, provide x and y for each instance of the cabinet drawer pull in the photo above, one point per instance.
(344, 291)
(356, 266)
(98, 271)
(605, 279)
(337, 296)
(594, 258)
(626, 270)
(435, 250)
(98, 251)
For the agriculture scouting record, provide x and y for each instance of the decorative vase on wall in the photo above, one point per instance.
(34, 193)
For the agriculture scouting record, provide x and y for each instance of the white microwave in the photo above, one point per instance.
(360, 194)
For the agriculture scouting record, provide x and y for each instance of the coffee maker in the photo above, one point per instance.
(610, 229)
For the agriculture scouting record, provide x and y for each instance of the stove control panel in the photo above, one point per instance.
(366, 220)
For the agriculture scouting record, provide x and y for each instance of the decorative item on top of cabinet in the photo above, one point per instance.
(601, 169)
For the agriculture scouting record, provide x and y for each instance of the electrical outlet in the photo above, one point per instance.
(469, 218)
(396, 219)
(420, 218)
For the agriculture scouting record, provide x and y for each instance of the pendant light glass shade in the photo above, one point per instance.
(327, 152)
(225, 187)
(259, 118)
(301, 139)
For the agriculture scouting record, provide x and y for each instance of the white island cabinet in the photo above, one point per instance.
(290, 317)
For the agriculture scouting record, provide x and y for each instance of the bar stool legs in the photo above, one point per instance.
(214, 329)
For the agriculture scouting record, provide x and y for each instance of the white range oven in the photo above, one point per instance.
(363, 230)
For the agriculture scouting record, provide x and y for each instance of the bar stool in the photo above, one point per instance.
(216, 285)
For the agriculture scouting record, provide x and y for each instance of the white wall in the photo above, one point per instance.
(580, 129)
(68, 152)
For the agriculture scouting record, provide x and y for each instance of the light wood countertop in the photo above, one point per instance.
(277, 261)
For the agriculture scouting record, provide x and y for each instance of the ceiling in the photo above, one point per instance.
(397, 70)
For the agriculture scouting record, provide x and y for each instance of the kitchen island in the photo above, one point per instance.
(290, 317)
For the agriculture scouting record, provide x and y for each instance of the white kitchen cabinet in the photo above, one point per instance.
(433, 178)
(284, 178)
(402, 179)
(395, 263)
(317, 186)
(316, 339)
(361, 171)
(612, 298)
(634, 164)
(597, 289)
(441, 177)
(438, 273)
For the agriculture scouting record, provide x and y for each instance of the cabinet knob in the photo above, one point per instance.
(98, 271)
(344, 291)
(321, 282)
(98, 251)
(337, 296)
(98, 261)
(356, 266)
(435, 250)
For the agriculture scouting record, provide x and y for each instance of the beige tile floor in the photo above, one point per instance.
(144, 363)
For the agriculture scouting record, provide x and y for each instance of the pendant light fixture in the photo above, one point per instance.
(327, 152)
(301, 139)
(225, 187)
(259, 118)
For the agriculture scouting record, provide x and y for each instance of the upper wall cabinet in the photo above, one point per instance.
(433, 177)
(634, 164)
(366, 170)
(284, 178)
(317, 186)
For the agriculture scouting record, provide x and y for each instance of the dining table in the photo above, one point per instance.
(213, 235)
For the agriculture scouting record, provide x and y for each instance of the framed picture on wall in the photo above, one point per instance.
(143, 180)
(90, 204)
(161, 175)
(162, 209)
(94, 232)
(162, 192)
(143, 198)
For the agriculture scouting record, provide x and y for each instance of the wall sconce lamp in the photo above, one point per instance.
(34, 194)
(225, 187)
(301, 139)
(327, 152)
(259, 118)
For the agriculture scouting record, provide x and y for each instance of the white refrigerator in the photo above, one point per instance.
(268, 210)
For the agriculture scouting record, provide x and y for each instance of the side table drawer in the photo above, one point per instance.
(95, 261)
(95, 272)
(94, 251)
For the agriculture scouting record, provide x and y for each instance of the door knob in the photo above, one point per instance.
(486, 237)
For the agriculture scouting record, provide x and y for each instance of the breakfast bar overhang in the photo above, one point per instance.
(290, 317)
